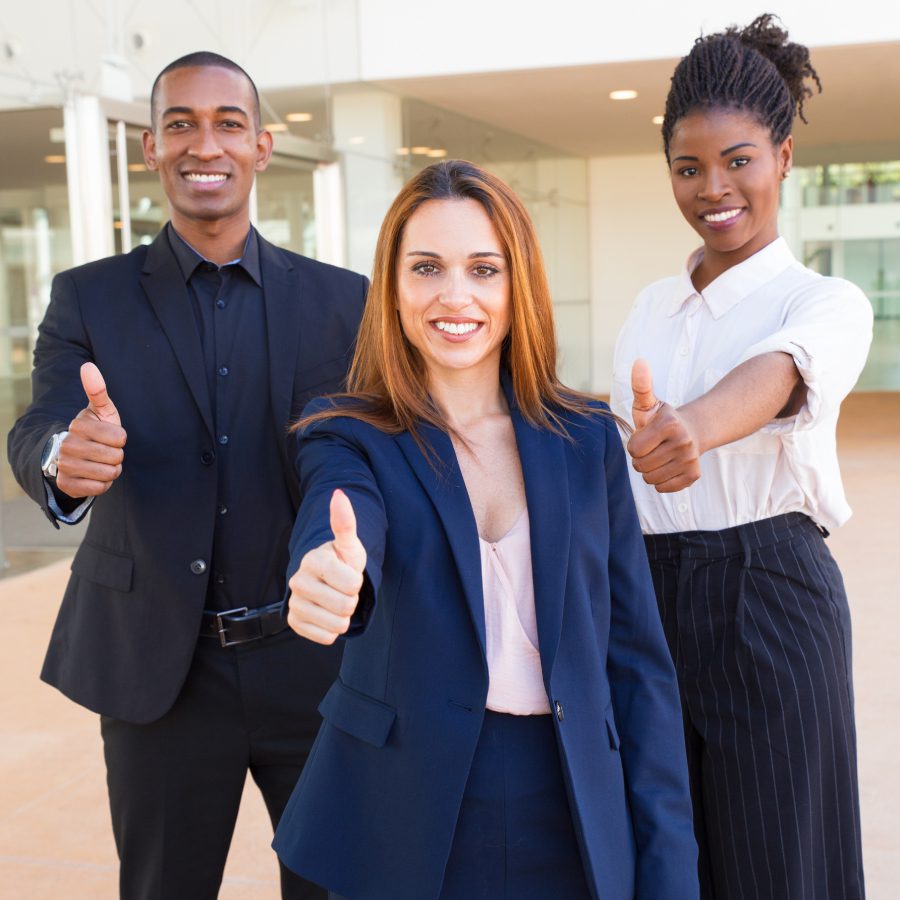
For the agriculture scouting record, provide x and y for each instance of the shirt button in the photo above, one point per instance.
(223, 370)
(220, 303)
(223, 439)
(560, 715)
(223, 509)
(198, 566)
(682, 507)
(207, 457)
(220, 578)
(683, 351)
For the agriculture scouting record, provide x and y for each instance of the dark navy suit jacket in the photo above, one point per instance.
(127, 629)
(374, 812)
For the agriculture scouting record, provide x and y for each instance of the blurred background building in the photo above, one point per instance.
(562, 100)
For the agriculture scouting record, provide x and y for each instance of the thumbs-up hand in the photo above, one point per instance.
(90, 458)
(325, 589)
(664, 447)
(645, 405)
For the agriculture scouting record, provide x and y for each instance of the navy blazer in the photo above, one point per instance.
(127, 629)
(374, 812)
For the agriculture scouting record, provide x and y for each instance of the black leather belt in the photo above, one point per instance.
(238, 626)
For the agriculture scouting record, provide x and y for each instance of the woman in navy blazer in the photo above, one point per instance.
(454, 426)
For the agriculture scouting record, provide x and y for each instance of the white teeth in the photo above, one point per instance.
(205, 179)
(457, 327)
(722, 216)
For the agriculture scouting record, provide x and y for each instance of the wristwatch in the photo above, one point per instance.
(50, 456)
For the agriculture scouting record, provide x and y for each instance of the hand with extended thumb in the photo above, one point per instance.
(91, 456)
(644, 405)
(325, 589)
(664, 447)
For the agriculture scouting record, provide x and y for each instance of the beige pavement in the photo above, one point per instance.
(55, 837)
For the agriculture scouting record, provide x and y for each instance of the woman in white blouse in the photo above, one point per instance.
(736, 482)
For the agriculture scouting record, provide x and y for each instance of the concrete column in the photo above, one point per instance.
(368, 129)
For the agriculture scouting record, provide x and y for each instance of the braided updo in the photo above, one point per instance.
(755, 69)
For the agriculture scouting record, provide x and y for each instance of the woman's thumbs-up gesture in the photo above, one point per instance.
(325, 589)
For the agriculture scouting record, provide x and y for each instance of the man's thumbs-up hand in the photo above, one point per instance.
(664, 447)
(325, 589)
(98, 400)
(91, 456)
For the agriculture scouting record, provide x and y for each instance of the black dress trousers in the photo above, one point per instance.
(757, 621)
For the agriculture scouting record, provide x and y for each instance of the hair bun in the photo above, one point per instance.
(765, 35)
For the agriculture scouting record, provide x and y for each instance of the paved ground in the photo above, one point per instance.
(55, 839)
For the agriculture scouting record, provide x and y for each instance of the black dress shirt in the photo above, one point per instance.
(229, 309)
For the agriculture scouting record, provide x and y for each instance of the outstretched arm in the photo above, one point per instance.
(667, 442)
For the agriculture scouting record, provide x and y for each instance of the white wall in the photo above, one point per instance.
(637, 237)
(305, 42)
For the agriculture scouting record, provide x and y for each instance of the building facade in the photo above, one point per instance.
(360, 94)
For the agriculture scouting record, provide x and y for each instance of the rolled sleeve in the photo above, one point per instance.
(828, 336)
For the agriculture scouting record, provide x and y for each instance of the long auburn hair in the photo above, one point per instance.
(387, 383)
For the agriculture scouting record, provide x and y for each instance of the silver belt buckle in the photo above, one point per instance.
(220, 625)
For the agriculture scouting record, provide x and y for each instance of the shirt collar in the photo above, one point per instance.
(726, 291)
(188, 258)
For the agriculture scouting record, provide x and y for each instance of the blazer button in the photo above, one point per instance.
(207, 457)
(560, 715)
(198, 566)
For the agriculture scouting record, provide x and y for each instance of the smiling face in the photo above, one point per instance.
(453, 288)
(725, 174)
(206, 146)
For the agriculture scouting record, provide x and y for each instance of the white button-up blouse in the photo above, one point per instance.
(769, 302)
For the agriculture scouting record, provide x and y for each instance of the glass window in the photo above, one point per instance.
(285, 204)
(35, 244)
(850, 183)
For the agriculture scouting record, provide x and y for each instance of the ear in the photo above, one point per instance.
(263, 150)
(149, 144)
(786, 156)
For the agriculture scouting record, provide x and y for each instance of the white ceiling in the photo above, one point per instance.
(570, 109)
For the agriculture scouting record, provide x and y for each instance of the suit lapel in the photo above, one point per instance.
(282, 328)
(543, 457)
(448, 493)
(168, 295)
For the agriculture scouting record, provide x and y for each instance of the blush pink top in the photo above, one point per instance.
(514, 664)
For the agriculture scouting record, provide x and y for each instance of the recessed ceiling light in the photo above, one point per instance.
(298, 117)
(402, 151)
(623, 95)
(421, 150)
(356, 139)
(136, 167)
(437, 153)
(657, 120)
(54, 159)
(277, 127)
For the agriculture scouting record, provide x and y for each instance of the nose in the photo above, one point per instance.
(455, 295)
(713, 186)
(205, 145)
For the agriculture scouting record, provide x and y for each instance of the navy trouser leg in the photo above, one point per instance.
(757, 621)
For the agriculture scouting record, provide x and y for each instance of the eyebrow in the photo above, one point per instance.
(476, 255)
(187, 110)
(725, 152)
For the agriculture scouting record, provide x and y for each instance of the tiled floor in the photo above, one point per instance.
(55, 839)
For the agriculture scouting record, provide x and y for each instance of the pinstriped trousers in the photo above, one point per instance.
(757, 622)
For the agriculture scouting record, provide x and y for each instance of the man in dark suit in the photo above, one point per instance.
(164, 384)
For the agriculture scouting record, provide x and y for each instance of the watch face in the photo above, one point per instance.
(51, 454)
(45, 456)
